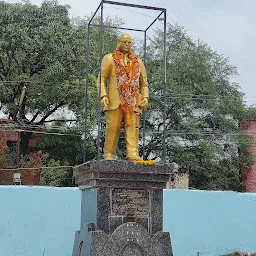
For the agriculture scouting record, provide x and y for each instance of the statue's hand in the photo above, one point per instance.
(104, 101)
(144, 103)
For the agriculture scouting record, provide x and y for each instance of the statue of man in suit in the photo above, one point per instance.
(124, 93)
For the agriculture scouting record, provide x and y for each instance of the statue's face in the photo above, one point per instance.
(125, 43)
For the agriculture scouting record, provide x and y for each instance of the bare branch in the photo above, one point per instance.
(22, 103)
(35, 116)
(61, 120)
(50, 112)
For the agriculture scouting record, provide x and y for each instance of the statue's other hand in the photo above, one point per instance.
(104, 101)
(144, 103)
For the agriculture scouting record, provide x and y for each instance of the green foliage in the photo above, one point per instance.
(67, 146)
(42, 49)
(203, 111)
(43, 52)
(1, 153)
(57, 176)
(39, 49)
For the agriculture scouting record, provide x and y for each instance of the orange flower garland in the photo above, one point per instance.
(128, 77)
(145, 162)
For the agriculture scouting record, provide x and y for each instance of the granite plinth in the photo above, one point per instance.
(123, 166)
(122, 209)
(100, 207)
(122, 174)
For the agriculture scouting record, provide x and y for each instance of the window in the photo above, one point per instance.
(11, 153)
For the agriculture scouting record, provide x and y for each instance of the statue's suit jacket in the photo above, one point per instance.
(109, 83)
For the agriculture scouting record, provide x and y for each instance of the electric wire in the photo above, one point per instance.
(28, 128)
(36, 168)
(170, 94)
(42, 132)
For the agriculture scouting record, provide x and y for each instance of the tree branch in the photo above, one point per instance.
(168, 113)
(50, 112)
(61, 120)
(22, 103)
(34, 117)
(152, 145)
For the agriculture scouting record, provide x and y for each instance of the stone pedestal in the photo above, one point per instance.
(122, 209)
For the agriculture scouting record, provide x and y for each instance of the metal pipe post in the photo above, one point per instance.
(154, 20)
(86, 92)
(165, 88)
(134, 5)
(95, 13)
(99, 98)
(122, 28)
(144, 111)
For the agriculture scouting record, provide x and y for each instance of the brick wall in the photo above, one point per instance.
(28, 177)
(9, 157)
(249, 176)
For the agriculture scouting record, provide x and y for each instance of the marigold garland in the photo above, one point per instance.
(128, 77)
(145, 162)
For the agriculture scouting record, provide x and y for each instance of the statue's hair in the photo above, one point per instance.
(123, 35)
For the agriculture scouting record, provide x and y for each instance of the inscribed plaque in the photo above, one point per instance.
(129, 202)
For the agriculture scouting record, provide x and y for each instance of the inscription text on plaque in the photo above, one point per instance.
(129, 202)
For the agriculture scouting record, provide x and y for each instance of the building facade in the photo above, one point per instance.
(12, 171)
(249, 176)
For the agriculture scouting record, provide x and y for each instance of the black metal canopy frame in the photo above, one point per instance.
(101, 25)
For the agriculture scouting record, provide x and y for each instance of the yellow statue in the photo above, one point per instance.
(124, 93)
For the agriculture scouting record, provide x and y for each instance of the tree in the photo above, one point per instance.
(42, 71)
(55, 175)
(42, 74)
(203, 112)
(37, 57)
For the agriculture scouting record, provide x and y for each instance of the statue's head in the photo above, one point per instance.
(124, 43)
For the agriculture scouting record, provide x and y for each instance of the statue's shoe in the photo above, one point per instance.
(109, 157)
(134, 158)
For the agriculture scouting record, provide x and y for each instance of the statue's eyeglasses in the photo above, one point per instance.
(126, 42)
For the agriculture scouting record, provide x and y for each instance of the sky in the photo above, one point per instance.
(227, 26)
